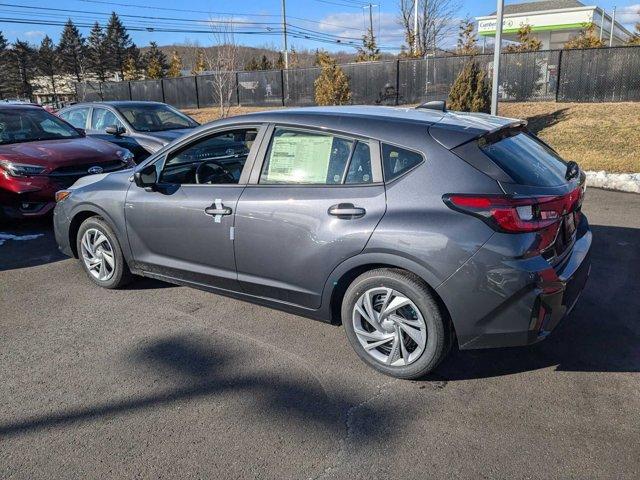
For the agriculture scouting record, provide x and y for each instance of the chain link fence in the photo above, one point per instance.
(590, 75)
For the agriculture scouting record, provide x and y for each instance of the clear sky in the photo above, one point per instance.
(326, 19)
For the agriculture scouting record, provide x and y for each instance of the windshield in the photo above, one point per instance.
(155, 118)
(32, 124)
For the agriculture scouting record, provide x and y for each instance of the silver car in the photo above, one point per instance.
(416, 229)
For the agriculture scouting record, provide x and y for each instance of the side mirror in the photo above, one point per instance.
(114, 130)
(81, 132)
(146, 177)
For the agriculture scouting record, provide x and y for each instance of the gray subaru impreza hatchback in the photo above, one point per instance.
(416, 229)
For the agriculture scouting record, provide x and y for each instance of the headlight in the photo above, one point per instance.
(20, 169)
(127, 157)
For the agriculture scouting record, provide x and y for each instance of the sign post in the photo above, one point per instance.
(496, 59)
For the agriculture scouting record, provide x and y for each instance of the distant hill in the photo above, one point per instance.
(305, 57)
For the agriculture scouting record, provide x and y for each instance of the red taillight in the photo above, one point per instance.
(518, 214)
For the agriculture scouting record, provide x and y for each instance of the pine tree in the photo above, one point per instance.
(175, 66)
(332, 85)
(294, 60)
(6, 78)
(369, 52)
(265, 64)
(471, 92)
(467, 40)
(97, 53)
(587, 38)
(155, 62)
(21, 63)
(118, 43)
(252, 65)
(526, 41)
(48, 64)
(72, 51)
(132, 70)
(200, 65)
(280, 62)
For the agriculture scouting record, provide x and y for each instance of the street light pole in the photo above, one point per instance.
(415, 27)
(496, 59)
(613, 25)
(284, 34)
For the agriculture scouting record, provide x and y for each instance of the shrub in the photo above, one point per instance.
(471, 92)
(332, 86)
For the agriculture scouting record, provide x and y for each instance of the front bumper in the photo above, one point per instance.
(61, 227)
(497, 301)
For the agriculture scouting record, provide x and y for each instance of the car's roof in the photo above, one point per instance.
(12, 106)
(119, 103)
(448, 127)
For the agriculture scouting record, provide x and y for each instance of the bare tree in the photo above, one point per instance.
(436, 19)
(223, 59)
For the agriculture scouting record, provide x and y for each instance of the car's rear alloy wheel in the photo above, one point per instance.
(97, 254)
(389, 326)
(101, 255)
(394, 323)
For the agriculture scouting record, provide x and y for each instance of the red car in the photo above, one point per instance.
(41, 154)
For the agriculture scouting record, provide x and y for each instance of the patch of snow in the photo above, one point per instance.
(8, 236)
(624, 182)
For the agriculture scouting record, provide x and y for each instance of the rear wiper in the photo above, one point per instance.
(573, 170)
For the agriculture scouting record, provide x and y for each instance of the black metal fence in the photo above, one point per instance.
(591, 75)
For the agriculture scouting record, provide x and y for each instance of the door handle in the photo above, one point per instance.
(218, 208)
(346, 211)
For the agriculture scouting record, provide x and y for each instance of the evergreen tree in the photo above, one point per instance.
(48, 64)
(294, 59)
(587, 38)
(280, 61)
(526, 41)
(369, 52)
(5, 78)
(265, 64)
(471, 92)
(332, 85)
(21, 63)
(253, 64)
(97, 53)
(132, 69)
(118, 43)
(72, 51)
(155, 62)
(175, 66)
(200, 65)
(467, 40)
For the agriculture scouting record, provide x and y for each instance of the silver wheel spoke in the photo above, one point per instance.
(383, 330)
(97, 254)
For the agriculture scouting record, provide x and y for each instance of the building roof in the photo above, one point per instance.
(539, 6)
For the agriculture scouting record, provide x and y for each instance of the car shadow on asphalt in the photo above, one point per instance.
(27, 243)
(602, 333)
(194, 368)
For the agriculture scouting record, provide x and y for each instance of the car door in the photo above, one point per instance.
(183, 228)
(101, 118)
(312, 202)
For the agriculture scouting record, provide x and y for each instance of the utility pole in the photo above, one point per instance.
(370, 7)
(415, 27)
(284, 34)
(613, 25)
(496, 59)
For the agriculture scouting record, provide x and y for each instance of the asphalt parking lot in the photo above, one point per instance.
(158, 381)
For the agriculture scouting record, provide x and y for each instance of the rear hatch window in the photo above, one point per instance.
(526, 159)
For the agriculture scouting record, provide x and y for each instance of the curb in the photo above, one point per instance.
(623, 182)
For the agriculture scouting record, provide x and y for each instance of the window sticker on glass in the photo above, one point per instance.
(299, 158)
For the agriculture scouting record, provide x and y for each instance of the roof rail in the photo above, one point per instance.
(439, 105)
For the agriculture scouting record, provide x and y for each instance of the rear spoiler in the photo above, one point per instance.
(467, 128)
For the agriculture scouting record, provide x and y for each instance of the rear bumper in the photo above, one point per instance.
(515, 302)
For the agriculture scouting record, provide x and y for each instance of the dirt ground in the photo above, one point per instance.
(599, 136)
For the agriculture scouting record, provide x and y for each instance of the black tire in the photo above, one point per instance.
(121, 274)
(412, 287)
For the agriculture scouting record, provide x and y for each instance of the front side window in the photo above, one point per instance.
(32, 124)
(301, 157)
(103, 118)
(216, 159)
(155, 118)
(396, 161)
(76, 117)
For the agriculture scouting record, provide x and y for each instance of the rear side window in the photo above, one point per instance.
(526, 159)
(396, 161)
(76, 117)
(302, 157)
